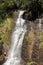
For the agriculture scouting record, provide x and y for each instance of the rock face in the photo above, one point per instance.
(35, 53)
(41, 54)
(1, 52)
(30, 47)
(32, 41)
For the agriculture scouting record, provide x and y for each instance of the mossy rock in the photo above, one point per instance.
(1, 57)
(41, 44)
(40, 34)
(27, 46)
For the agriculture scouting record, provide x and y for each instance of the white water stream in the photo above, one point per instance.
(14, 56)
(40, 24)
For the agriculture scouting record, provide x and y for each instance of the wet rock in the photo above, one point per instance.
(27, 46)
(1, 52)
(41, 54)
(31, 42)
(35, 53)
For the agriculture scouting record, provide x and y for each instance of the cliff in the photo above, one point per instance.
(33, 43)
(32, 47)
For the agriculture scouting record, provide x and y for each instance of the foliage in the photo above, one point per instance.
(6, 6)
(36, 9)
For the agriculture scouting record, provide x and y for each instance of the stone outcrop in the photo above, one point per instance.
(32, 41)
(1, 52)
(30, 47)
(41, 54)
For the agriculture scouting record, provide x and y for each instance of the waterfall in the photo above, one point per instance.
(40, 24)
(14, 55)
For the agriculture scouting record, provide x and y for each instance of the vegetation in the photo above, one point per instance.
(34, 11)
(5, 29)
(6, 6)
(5, 33)
(32, 63)
(40, 34)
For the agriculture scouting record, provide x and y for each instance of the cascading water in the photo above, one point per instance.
(14, 56)
(40, 24)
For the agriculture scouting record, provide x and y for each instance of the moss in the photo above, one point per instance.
(41, 44)
(40, 34)
(8, 24)
(5, 30)
(1, 58)
(1, 25)
(6, 39)
(32, 63)
(7, 27)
